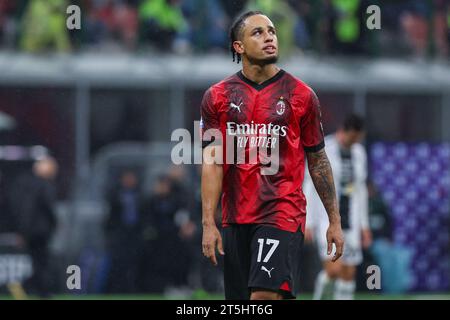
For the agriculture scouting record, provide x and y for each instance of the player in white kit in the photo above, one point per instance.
(348, 160)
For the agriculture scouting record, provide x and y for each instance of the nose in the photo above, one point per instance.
(269, 37)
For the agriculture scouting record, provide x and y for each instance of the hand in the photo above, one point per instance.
(366, 236)
(211, 239)
(309, 236)
(334, 235)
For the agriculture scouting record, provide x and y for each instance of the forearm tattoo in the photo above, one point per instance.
(322, 177)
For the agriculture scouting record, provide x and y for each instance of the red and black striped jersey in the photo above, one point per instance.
(281, 116)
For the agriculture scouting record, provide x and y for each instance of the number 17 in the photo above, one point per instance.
(272, 242)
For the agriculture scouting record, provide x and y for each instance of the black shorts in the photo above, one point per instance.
(260, 257)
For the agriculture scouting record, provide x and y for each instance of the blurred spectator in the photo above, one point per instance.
(345, 26)
(161, 21)
(283, 17)
(380, 223)
(98, 22)
(414, 22)
(111, 21)
(302, 28)
(32, 201)
(208, 24)
(8, 25)
(441, 25)
(127, 23)
(44, 26)
(379, 217)
(425, 26)
(180, 186)
(233, 8)
(393, 259)
(166, 260)
(123, 234)
(5, 215)
(187, 217)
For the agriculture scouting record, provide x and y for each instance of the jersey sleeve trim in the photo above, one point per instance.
(315, 148)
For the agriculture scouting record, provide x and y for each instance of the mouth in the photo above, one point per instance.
(270, 49)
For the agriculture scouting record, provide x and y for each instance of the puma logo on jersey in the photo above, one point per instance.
(266, 270)
(237, 107)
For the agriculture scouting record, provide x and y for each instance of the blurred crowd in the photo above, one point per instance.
(419, 28)
(28, 222)
(153, 238)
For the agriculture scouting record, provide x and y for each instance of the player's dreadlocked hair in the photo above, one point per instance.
(236, 28)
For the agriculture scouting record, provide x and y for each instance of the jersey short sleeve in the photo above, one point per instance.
(311, 125)
(209, 116)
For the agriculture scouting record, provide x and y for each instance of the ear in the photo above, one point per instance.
(238, 47)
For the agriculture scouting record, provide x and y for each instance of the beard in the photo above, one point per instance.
(265, 61)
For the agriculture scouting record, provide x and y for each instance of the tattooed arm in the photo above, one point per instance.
(322, 177)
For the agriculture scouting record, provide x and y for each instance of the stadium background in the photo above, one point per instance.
(106, 98)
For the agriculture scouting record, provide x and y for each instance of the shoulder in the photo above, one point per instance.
(218, 88)
(300, 90)
(298, 85)
(230, 80)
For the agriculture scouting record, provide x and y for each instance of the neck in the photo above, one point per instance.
(258, 73)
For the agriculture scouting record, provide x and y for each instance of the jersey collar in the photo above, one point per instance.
(260, 86)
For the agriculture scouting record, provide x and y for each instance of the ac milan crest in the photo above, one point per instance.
(281, 106)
